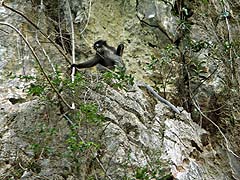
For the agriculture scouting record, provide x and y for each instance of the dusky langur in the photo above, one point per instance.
(106, 57)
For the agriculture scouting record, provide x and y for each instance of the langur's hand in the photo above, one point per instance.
(73, 65)
(69, 69)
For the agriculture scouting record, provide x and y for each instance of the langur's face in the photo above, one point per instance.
(98, 46)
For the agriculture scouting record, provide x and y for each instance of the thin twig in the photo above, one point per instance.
(224, 137)
(151, 25)
(73, 40)
(44, 52)
(161, 99)
(98, 160)
(88, 18)
(46, 55)
(202, 82)
(59, 28)
(49, 60)
(73, 46)
(38, 61)
(35, 26)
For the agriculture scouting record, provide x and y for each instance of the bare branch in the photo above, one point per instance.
(35, 26)
(73, 46)
(224, 137)
(88, 18)
(38, 61)
(161, 99)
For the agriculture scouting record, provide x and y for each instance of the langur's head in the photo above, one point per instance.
(98, 46)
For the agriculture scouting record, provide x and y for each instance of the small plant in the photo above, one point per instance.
(26, 77)
(162, 66)
(144, 173)
(36, 90)
(89, 113)
(79, 82)
(152, 63)
(197, 69)
(75, 145)
(119, 77)
(197, 46)
(78, 150)
(41, 143)
(163, 59)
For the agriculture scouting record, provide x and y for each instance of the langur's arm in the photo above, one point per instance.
(110, 48)
(87, 64)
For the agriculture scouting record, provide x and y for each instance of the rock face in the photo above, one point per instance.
(150, 136)
(138, 138)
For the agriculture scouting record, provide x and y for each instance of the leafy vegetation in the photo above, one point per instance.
(35, 90)
(118, 78)
(199, 71)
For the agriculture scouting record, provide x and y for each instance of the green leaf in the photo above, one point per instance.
(35, 90)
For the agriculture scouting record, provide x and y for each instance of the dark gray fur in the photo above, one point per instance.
(106, 57)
